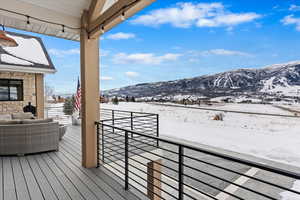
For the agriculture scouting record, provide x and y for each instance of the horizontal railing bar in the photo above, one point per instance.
(115, 168)
(117, 150)
(122, 154)
(148, 151)
(209, 185)
(153, 169)
(201, 192)
(145, 188)
(147, 173)
(127, 111)
(122, 142)
(166, 183)
(155, 146)
(143, 133)
(245, 175)
(217, 154)
(225, 180)
(123, 118)
(156, 154)
(153, 185)
(118, 139)
(166, 175)
(152, 160)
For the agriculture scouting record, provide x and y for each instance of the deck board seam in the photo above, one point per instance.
(2, 176)
(56, 176)
(72, 146)
(46, 178)
(24, 177)
(72, 171)
(95, 173)
(13, 175)
(85, 175)
(35, 178)
(66, 176)
(89, 176)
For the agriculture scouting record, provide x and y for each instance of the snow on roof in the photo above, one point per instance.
(29, 56)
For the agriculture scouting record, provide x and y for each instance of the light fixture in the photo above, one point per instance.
(28, 22)
(102, 29)
(123, 16)
(6, 41)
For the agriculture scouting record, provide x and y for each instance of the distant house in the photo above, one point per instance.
(22, 71)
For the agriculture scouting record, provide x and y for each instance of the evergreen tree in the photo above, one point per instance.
(132, 99)
(115, 101)
(68, 106)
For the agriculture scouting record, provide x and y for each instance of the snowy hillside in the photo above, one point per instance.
(275, 80)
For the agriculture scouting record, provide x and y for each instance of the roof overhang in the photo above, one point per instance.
(65, 15)
(11, 68)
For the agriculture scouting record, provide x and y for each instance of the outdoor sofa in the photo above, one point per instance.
(21, 134)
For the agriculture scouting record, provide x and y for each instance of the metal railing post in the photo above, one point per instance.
(113, 117)
(126, 161)
(98, 145)
(180, 172)
(131, 123)
(102, 141)
(157, 129)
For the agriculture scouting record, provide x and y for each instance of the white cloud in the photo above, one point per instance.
(132, 74)
(103, 52)
(144, 58)
(121, 36)
(224, 52)
(106, 78)
(185, 15)
(294, 7)
(75, 51)
(194, 60)
(291, 20)
(62, 53)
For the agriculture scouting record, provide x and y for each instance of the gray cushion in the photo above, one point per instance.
(36, 121)
(5, 117)
(8, 122)
(22, 116)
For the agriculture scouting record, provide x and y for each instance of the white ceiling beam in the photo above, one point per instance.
(110, 13)
(109, 23)
(95, 9)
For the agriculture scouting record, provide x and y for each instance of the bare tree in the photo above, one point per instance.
(49, 91)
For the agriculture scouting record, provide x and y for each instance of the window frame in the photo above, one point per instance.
(9, 86)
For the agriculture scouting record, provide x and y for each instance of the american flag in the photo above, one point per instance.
(78, 97)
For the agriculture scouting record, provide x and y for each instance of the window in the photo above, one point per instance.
(11, 90)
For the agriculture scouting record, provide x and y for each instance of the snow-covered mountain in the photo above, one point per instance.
(278, 79)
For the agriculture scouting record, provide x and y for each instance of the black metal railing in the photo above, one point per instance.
(186, 172)
(147, 123)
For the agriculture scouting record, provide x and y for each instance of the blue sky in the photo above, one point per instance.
(180, 39)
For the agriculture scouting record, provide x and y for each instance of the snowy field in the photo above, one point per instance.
(270, 137)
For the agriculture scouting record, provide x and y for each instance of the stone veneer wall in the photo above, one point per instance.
(8, 107)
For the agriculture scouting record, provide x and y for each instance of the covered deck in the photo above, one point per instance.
(58, 175)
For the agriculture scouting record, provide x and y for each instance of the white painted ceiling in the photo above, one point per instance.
(67, 12)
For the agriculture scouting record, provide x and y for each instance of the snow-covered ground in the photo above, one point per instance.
(274, 138)
(290, 196)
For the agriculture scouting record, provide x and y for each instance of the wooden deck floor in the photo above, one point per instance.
(57, 175)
